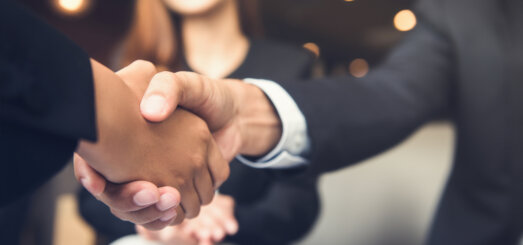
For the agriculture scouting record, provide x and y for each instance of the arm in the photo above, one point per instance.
(352, 119)
(46, 101)
(348, 119)
(47, 105)
(129, 148)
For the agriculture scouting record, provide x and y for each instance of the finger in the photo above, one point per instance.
(180, 216)
(227, 221)
(169, 198)
(213, 229)
(195, 228)
(164, 210)
(206, 242)
(147, 234)
(218, 167)
(161, 97)
(146, 215)
(131, 196)
(190, 200)
(88, 177)
(137, 76)
(204, 185)
(163, 222)
(175, 235)
(218, 235)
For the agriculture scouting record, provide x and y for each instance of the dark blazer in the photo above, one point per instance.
(272, 206)
(46, 101)
(464, 61)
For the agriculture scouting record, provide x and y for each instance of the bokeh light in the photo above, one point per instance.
(359, 68)
(72, 7)
(405, 20)
(314, 48)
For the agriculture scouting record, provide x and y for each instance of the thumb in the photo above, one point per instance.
(161, 97)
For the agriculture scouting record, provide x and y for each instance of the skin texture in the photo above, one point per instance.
(213, 42)
(212, 225)
(240, 115)
(180, 152)
(215, 46)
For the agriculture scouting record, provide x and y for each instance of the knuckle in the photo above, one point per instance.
(180, 184)
(198, 161)
(201, 130)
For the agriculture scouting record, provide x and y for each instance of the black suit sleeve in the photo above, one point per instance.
(351, 119)
(46, 100)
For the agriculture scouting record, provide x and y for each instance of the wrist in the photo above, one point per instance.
(260, 125)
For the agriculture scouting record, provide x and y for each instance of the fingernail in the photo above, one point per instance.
(169, 215)
(144, 198)
(167, 201)
(153, 105)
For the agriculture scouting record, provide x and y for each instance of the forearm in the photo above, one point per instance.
(260, 125)
(352, 119)
(46, 100)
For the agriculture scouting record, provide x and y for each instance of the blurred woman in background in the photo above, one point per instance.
(220, 38)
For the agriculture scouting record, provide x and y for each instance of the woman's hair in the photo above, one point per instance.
(155, 35)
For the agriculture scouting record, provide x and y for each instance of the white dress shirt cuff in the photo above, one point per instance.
(294, 140)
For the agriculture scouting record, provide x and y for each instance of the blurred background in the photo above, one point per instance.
(389, 199)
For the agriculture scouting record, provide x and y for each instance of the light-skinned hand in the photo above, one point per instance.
(215, 221)
(240, 116)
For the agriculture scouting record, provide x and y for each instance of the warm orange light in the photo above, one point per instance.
(71, 7)
(314, 48)
(349, 0)
(358, 68)
(405, 20)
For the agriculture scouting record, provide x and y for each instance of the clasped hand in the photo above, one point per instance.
(178, 155)
(154, 167)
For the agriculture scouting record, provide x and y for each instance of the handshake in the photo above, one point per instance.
(165, 140)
